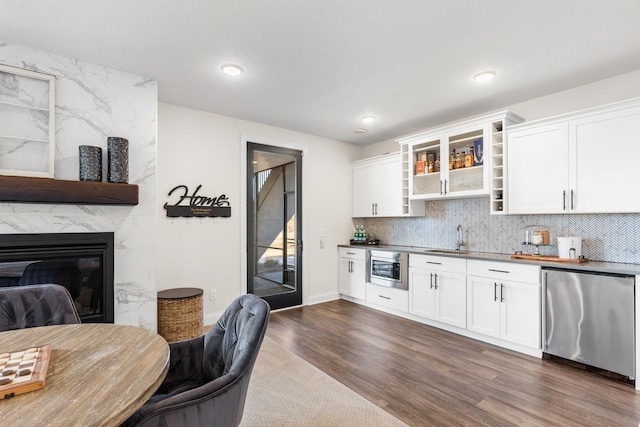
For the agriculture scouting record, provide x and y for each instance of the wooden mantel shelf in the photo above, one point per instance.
(56, 191)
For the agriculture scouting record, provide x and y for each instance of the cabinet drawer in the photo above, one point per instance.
(352, 253)
(438, 263)
(504, 271)
(396, 299)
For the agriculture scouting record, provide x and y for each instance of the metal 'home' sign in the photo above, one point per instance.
(197, 206)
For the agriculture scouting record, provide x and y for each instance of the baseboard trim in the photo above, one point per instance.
(317, 299)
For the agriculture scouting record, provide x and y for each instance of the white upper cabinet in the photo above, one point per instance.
(607, 159)
(538, 176)
(377, 187)
(456, 160)
(583, 162)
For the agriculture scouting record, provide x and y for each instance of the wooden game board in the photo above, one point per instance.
(22, 371)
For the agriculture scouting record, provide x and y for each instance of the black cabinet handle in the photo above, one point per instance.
(495, 291)
(435, 280)
(431, 281)
(564, 200)
(572, 200)
(432, 262)
(382, 296)
(501, 292)
(499, 271)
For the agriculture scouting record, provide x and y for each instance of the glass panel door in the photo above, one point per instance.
(273, 225)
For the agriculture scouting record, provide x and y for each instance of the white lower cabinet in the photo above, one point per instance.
(393, 298)
(505, 309)
(436, 294)
(352, 277)
(498, 302)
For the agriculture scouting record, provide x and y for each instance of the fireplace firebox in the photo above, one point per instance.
(81, 262)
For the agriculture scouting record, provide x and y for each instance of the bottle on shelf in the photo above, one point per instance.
(459, 162)
(452, 159)
(430, 168)
(436, 165)
(468, 157)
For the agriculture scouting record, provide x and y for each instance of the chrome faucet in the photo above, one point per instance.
(459, 237)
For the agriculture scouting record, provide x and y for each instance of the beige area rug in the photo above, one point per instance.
(285, 390)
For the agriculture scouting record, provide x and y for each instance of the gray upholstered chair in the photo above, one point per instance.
(65, 273)
(209, 375)
(36, 305)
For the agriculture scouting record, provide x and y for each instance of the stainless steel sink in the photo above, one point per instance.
(447, 251)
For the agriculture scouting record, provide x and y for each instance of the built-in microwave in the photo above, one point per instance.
(387, 268)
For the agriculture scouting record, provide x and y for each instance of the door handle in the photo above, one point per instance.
(501, 292)
(431, 281)
(441, 188)
(383, 296)
(349, 268)
(495, 291)
(445, 187)
(372, 211)
(435, 281)
(564, 200)
(376, 211)
(498, 271)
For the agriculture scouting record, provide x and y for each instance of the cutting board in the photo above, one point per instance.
(549, 258)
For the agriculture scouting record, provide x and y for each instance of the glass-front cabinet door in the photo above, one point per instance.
(427, 166)
(456, 160)
(466, 172)
(448, 166)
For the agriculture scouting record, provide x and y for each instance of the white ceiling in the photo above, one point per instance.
(318, 66)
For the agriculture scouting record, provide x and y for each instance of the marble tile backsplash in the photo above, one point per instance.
(606, 237)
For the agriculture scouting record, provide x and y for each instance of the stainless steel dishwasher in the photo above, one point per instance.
(590, 319)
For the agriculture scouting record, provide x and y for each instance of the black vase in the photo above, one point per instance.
(118, 162)
(90, 163)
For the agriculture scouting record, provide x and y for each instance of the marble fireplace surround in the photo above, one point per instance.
(92, 103)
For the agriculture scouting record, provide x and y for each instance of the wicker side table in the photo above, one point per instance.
(180, 313)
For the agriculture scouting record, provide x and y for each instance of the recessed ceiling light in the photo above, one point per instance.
(360, 130)
(232, 69)
(484, 76)
(369, 119)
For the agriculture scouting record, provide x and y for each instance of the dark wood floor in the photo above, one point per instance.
(427, 377)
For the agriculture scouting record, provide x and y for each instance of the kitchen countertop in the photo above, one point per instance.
(597, 266)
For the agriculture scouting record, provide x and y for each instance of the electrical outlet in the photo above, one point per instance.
(213, 294)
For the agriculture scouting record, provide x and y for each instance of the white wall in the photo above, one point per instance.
(93, 103)
(602, 92)
(196, 148)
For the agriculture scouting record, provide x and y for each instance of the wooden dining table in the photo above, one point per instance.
(99, 374)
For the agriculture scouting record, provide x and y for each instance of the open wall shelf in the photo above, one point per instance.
(56, 191)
